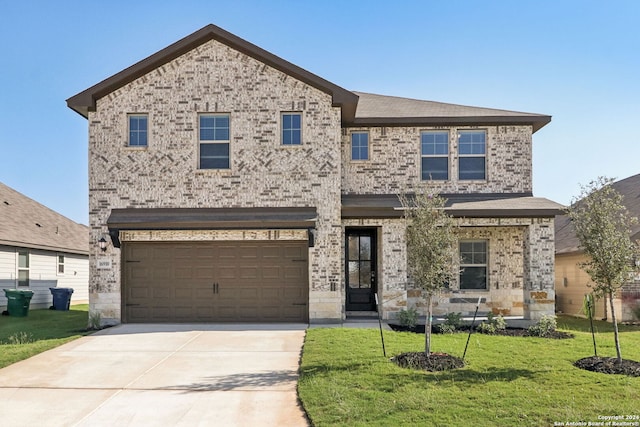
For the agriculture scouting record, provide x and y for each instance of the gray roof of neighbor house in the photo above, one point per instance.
(566, 239)
(358, 109)
(26, 223)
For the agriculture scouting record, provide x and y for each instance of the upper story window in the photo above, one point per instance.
(138, 130)
(359, 146)
(472, 147)
(291, 128)
(60, 264)
(214, 141)
(473, 264)
(23, 268)
(434, 153)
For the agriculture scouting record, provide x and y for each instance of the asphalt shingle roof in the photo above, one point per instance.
(629, 188)
(26, 223)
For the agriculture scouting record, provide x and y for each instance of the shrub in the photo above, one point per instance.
(493, 324)
(452, 322)
(545, 326)
(408, 318)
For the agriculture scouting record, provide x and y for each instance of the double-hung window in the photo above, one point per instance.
(214, 141)
(434, 153)
(472, 147)
(23, 268)
(291, 128)
(473, 264)
(359, 146)
(60, 264)
(138, 130)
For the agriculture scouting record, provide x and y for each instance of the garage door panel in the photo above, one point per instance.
(215, 282)
(160, 293)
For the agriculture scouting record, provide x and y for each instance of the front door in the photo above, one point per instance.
(360, 260)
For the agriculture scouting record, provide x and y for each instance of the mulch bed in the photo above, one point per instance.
(509, 332)
(609, 365)
(432, 363)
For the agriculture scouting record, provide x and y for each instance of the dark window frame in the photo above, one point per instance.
(359, 147)
(429, 153)
(471, 268)
(137, 137)
(290, 134)
(471, 153)
(217, 138)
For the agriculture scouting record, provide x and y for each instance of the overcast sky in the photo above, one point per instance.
(576, 60)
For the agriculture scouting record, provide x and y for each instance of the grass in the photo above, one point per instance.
(508, 381)
(41, 330)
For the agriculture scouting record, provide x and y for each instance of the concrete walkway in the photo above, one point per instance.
(160, 375)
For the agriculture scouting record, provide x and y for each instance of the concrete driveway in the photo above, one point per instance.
(160, 375)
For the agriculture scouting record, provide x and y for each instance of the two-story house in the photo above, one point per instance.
(232, 185)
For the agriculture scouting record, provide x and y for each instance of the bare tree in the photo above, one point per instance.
(431, 238)
(603, 227)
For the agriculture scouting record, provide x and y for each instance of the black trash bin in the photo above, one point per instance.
(61, 298)
(18, 301)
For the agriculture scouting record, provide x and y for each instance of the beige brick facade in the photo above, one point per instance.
(394, 161)
(213, 77)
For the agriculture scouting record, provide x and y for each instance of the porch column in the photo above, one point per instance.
(539, 260)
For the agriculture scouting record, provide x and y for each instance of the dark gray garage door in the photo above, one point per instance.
(215, 282)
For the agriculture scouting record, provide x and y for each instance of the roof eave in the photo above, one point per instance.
(43, 247)
(85, 101)
(536, 122)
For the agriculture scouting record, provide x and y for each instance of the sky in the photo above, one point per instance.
(575, 60)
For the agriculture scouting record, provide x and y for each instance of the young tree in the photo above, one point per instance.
(431, 238)
(603, 227)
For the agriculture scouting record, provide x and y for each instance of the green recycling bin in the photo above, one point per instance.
(18, 301)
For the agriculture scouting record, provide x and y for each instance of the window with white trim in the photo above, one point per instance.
(60, 264)
(434, 151)
(214, 141)
(23, 268)
(472, 147)
(473, 264)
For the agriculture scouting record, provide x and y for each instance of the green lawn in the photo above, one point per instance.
(41, 330)
(509, 381)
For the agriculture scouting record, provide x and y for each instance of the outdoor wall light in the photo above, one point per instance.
(103, 244)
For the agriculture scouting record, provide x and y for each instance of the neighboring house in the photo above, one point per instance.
(236, 186)
(572, 282)
(40, 249)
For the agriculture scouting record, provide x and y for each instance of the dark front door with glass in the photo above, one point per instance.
(361, 269)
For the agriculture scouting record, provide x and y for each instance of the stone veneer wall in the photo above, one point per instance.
(215, 78)
(394, 161)
(513, 290)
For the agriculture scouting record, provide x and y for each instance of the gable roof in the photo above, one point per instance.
(566, 239)
(358, 109)
(26, 223)
(85, 101)
(381, 110)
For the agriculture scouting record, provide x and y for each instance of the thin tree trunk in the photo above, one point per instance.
(604, 300)
(615, 327)
(427, 328)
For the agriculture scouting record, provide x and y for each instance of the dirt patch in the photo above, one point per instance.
(609, 365)
(509, 332)
(432, 362)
